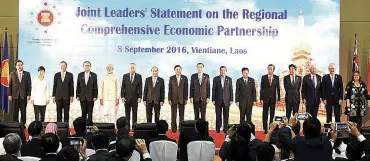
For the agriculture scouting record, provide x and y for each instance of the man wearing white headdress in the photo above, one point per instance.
(109, 95)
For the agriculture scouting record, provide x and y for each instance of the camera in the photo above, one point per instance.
(327, 127)
(279, 119)
(302, 116)
(342, 130)
(89, 129)
(75, 142)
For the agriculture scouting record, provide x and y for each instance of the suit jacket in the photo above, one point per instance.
(100, 155)
(12, 157)
(328, 90)
(222, 94)
(63, 89)
(132, 91)
(88, 91)
(304, 148)
(49, 157)
(245, 93)
(155, 94)
(309, 92)
(268, 92)
(161, 137)
(292, 92)
(32, 149)
(178, 94)
(118, 158)
(200, 92)
(19, 89)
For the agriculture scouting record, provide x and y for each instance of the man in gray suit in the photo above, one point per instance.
(19, 91)
(245, 95)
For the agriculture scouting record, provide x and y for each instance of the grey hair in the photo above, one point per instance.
(12, 143)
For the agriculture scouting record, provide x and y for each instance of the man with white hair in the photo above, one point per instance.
(109, 95)
(332, 93)
(311, 91)
(12, 145)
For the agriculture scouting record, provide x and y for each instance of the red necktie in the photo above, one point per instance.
(270, 80)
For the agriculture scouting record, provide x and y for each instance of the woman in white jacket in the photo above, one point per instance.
(40, 94)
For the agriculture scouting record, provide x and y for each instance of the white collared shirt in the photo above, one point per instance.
(154, 81)
(313, 77)
(87, 75)
(222, 81)
(292, 79)
(245, 80)
(40, 91)
(178, 79)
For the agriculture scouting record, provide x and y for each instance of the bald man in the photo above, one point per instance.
(109, 95)
(332, 93)
(311, 91)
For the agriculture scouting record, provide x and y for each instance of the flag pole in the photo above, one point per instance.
(3, 115)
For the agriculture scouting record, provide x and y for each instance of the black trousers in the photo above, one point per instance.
(39, 111)
(200, 106)
(149, 111)
(313, 109)
(174, 107)
(87, 108)
(245, 112)
(131, 105)
(63, 104)
(357, 120)
(291, 107)
(268, 106)
(329, 111)
(222, 110)
(19, 105)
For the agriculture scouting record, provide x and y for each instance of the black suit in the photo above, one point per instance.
(19, 90)
(178, 95)
(201, 138)
(131, 91)
(269, 94)
(311, 92)
(222, 94)
(292, 94)
(49, 157)
(153, 97)
(317, 149)
(63, 91)
(11, 157)
(100, 155)
(200, 92)
(332, 94)
(32, 148)
(86, 93)
(245, 95)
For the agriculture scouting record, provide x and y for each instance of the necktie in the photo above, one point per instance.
(178, 81)
(154, 80)
(245, 81)
(86, 78)
(313, 81)
(63, 75)
(270, 80)
(223, 82)
(200, 79)
(131, 78)
(20, 77)
(293, 80)
(332, 80)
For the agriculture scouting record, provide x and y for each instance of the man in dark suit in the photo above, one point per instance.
(50, 144)
(202, 131)
(200, 92)
(87, 91)
(332, 94)
(100, 140)
(131, 93)
(153, 95)
(269, 95)
(162, 128)
(245, 95)
(311, 91)
(222, 98)
(19, 91)
(292, 86)
(177, 96)
(63, 92)
(33, 147)
(126, 146)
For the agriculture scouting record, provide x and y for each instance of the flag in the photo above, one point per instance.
(355, 56)
(5, 76)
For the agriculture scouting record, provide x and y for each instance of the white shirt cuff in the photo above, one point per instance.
(227, 139)
(146, 155)
(361, 138)
(289, 127)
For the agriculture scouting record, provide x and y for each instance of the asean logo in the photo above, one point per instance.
(45, 18)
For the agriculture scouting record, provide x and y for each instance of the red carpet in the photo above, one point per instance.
(217, 138)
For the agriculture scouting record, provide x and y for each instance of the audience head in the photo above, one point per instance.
(202, 127)
(35, 129)
(284, 135)
(162, 127)
(6, 157)
(100, 140)
(51, 128)
(265, 152)
(122, 132)
(50, 143)
(80, 125)
(125, 145)
(122, 122)
(12, 143)
(311, 128)
(244, 130)
(354, 150)
(68, 154)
